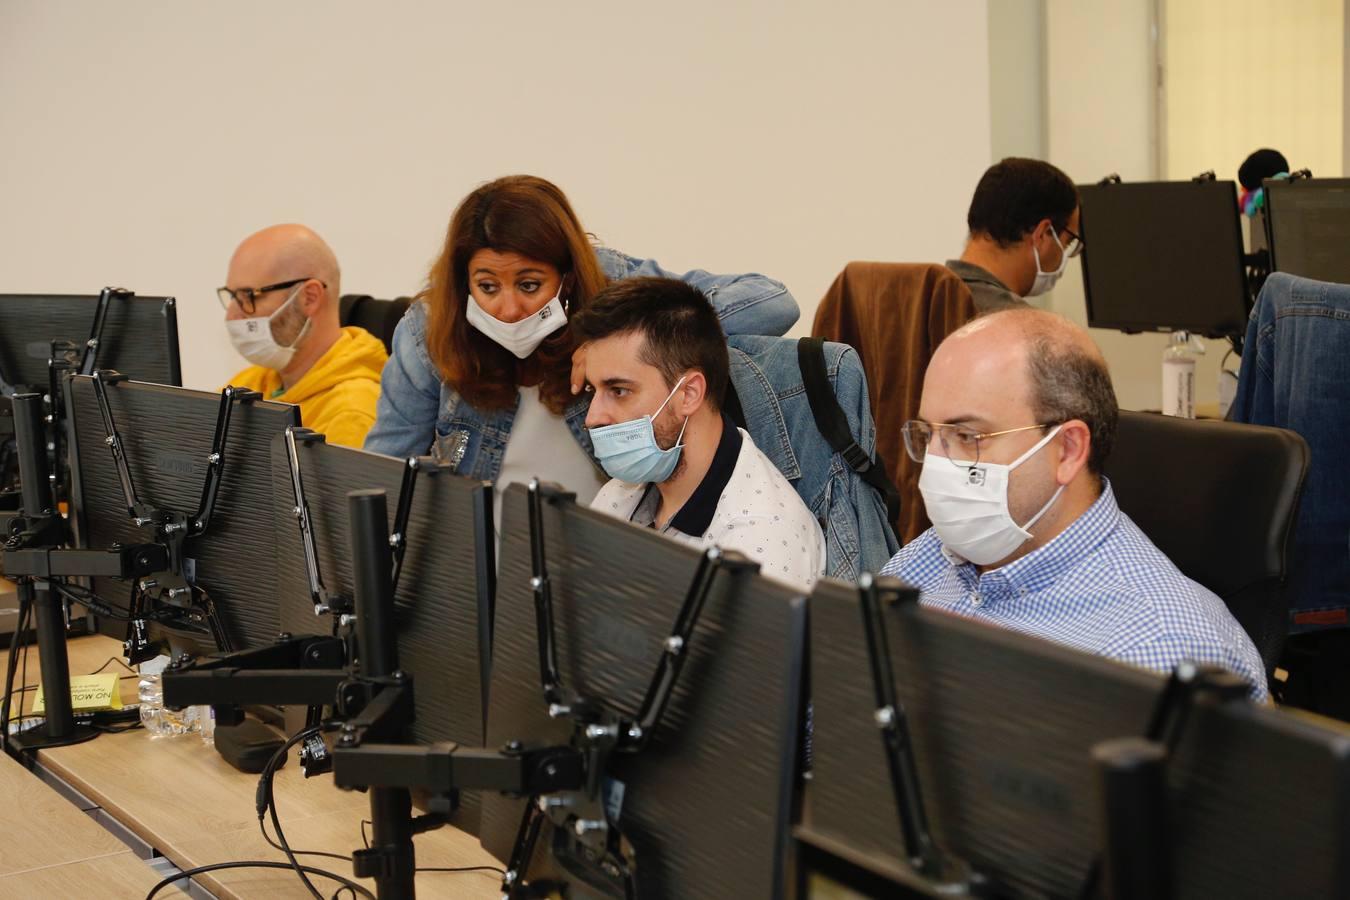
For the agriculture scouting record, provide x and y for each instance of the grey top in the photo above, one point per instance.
(989, 293)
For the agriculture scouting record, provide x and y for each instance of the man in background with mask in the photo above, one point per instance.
(1017, 418)
(281, 310)
(656, 360)
(1023, 224)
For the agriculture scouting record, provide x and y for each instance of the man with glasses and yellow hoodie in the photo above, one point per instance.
(281, 310)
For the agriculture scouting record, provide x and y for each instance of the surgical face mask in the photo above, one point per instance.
(968, 505)
(256, 338)
(1046, 280)
(524, 337)
(628, 451)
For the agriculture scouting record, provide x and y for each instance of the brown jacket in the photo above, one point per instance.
(895, 315)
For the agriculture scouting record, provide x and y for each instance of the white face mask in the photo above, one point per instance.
(968, 505)
(524, 337)
(1046, 280)
(256, 341)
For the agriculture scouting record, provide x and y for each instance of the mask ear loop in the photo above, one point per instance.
(565, 302)
(1063, 256)
(679, 437)
(304, 329)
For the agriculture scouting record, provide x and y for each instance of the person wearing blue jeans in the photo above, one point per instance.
(485, 373)
(1296, 374)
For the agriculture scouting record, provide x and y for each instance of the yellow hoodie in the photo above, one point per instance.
(337, 395)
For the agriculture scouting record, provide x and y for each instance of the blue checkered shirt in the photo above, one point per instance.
(1100, 586)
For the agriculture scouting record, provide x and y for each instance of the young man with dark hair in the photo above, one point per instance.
(1023, 224)
(656, 360)
(1017, 417)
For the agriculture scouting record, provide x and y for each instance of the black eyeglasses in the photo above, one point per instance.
(1076, 243)
(247, 298)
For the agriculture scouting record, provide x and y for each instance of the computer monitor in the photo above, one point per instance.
(166, 434)
(706, 804)
(139, 339)
(1164, 256)
(444, 593)
(1003, 727)
(1308, 227)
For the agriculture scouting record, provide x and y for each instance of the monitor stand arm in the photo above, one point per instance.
(890, 717)
(1136, 858)
(174, 586)
(33, 556)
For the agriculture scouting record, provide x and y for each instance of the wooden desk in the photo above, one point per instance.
(51, 849)
(179, 797)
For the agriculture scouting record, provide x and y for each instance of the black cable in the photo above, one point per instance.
(495, 869)
(500, 871)
(23, 678)
(11, 667)
(34, 685)
(267, 837)
(120, 662)
(267, 802)
(91, 601)
(347, 883)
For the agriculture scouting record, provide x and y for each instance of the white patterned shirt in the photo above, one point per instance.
(1100, 586)
(743, 503)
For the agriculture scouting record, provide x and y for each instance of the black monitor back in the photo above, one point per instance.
(444, 592)
(707, 803)
(1308, 227)
(140, 336)
(1164, 256)
(444, 599)
(1003, 727)
(166, 434)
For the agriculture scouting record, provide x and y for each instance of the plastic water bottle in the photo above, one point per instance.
(206, 721)
(1178, 375)
(151, 695)
(158, 721)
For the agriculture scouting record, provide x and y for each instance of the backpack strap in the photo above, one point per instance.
(833, 423)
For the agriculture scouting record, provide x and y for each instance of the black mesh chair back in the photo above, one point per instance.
(1220, 499)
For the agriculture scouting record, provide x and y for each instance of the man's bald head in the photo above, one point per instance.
(1024, 363)
(284, 253)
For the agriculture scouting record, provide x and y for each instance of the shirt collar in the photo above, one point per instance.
(697, 513)
(1042, 567)
(970, 272)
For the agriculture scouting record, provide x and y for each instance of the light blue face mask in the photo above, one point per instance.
(628, 450)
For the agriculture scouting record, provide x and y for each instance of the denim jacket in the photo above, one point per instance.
(1296, 374)
(768, 382)
(417, 412)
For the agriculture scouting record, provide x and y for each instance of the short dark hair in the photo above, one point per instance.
(1069, 383)
(1016, 194)
(679, 327)
(1262, 164)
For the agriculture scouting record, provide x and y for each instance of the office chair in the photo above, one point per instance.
(895, 315)
(1220, 499)
(379, 317)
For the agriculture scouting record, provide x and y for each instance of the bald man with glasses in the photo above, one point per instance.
(1016, 421)
(281, 311)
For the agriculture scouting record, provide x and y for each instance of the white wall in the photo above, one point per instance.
(144, 139)
(1243, 74)
(1102, 118)
(1017, 89)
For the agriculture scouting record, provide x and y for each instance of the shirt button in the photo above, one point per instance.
(976, 600)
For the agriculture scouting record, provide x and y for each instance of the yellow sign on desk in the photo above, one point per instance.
(88, 693)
